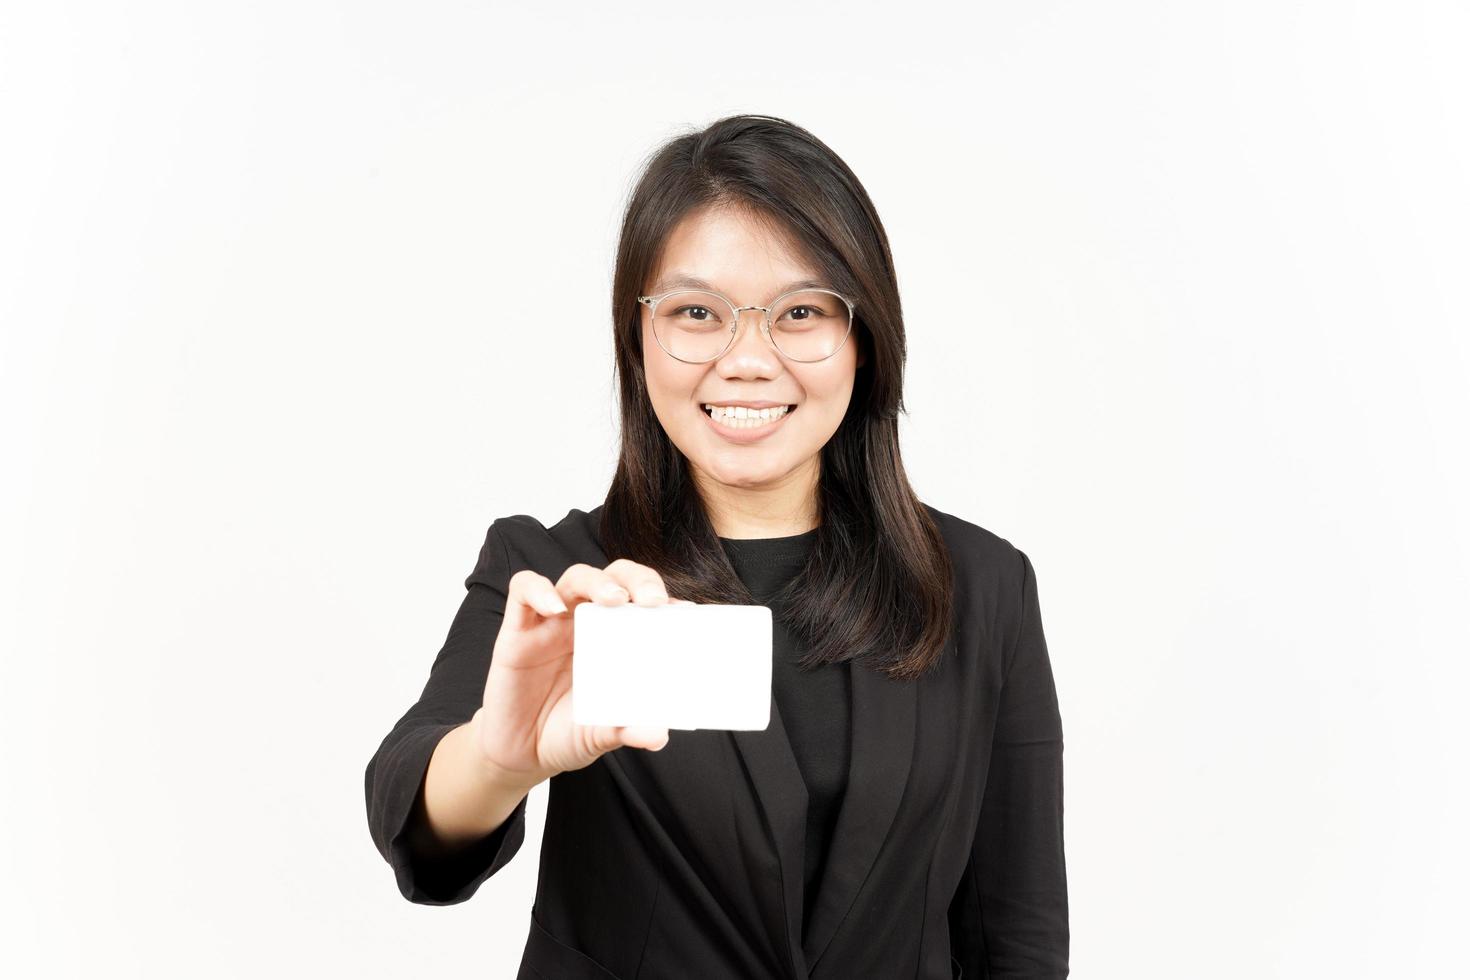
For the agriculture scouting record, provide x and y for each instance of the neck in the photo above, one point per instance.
(776, 510)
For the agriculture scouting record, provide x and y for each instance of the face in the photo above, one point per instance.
(751, 265)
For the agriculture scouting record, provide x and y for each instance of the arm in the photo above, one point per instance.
(462, 800)
(1009, 915)
(444, 823)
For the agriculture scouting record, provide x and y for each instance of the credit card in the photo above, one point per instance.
(684, 666)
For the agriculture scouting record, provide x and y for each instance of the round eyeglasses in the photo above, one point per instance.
(696, 326)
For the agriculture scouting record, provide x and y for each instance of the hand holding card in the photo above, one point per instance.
(524, 732)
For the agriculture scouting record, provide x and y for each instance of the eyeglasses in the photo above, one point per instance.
(697, 326)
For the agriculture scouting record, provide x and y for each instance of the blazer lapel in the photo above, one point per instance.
(883, 718)
(782, 794)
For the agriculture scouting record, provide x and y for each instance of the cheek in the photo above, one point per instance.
(656, 367)
(670, 384)
(829, 391)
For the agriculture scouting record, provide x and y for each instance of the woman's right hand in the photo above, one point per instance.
(524, 729)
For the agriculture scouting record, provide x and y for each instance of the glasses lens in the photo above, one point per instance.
(692, 325)
(811, 325)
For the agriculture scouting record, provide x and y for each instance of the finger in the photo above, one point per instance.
(645, 585)
(583, 583)
(599, 739)
(644, 737)
(531, 598)
(681, 602)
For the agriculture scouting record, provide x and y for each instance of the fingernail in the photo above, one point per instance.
(613, 592)
(553, 605)
(651, 593)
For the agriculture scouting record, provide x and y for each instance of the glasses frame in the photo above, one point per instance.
(652, 303)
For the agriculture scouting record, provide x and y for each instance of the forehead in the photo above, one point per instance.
(732, 251)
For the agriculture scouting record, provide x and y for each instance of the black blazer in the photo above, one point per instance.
(947, 858)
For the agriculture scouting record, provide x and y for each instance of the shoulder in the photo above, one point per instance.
(985, 563)
(517, 541)
(974, 545)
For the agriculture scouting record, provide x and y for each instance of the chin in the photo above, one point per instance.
(748, 474)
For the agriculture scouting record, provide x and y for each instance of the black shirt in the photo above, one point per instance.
(813, 702)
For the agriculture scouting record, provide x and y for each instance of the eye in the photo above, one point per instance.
(703, 311)
(804, 313)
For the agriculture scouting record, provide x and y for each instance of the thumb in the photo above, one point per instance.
(644, 737)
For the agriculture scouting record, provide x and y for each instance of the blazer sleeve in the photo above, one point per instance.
(1009, 915)
(395, 774)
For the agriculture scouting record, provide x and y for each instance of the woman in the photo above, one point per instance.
(901, 816)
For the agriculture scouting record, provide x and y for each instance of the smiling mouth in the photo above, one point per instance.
(746, 418)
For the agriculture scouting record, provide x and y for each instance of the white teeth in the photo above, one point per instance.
(740, 417)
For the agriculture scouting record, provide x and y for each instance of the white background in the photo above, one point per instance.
(296, 298)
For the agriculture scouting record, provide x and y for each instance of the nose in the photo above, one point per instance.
(751, 353)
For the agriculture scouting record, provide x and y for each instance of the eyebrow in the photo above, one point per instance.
(686, 281)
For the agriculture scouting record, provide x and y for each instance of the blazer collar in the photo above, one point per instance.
(883, 717)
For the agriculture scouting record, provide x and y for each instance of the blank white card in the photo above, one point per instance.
(684, 666)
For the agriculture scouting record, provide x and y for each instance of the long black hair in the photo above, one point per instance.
(878, 585)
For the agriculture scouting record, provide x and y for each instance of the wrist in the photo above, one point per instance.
(490, 771)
